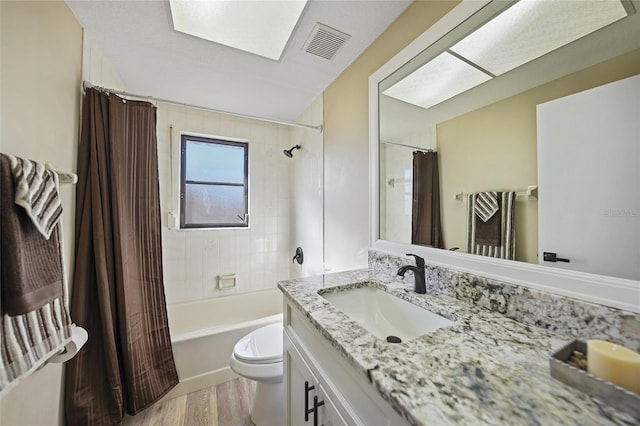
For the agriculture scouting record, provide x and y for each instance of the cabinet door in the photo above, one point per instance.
(328, 413)
(301, 386)
(301, 389)
(297, 377)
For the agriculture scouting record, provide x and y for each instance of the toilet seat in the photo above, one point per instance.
(261, 346)
(268, 373)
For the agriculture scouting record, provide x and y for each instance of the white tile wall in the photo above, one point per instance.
(307, 188)
(194, 259)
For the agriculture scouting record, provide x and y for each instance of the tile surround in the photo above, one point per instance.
(307, 194)
(259, 256)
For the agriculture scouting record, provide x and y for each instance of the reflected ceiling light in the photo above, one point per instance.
(256, 26)
(438, 80)
(532, 28)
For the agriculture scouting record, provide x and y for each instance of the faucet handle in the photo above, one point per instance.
(419, 260)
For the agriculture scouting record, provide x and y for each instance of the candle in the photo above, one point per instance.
(614, 363)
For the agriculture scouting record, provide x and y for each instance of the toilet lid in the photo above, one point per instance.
(261, 346)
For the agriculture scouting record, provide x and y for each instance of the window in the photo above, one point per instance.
(214, 184)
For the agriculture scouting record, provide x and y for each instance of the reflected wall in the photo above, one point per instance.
(495, 147)
(490, 148)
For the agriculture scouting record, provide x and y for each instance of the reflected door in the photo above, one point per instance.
(589, 180)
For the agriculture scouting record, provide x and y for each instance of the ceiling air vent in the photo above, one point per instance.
(325, 41)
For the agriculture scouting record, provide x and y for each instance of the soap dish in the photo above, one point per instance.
(612, 395)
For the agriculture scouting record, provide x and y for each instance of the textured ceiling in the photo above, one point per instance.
(152, 59)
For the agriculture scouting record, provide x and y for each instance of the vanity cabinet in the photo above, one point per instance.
(320, 382)
(308, 401)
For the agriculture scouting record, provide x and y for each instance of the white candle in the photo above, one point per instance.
(614, 363)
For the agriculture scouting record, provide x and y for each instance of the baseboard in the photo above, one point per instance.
(195, 383)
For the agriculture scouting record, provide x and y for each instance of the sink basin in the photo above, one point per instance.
(384, 315)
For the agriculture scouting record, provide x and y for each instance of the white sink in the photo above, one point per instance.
(384, 315)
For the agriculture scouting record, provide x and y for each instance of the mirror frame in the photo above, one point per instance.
(604, 290)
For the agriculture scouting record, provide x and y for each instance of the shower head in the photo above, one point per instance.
(289, 152)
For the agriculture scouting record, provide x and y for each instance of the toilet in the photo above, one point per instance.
(258, 356)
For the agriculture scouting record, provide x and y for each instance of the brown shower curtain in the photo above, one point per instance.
(118, 293)
(426, 228)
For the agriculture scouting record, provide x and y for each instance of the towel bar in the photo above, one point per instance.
(64, 177)
(531, 193)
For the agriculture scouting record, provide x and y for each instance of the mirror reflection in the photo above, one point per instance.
(466, 157)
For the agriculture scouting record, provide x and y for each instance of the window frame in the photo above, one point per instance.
(185, 138)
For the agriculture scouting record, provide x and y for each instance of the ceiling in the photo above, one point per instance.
(153, 59)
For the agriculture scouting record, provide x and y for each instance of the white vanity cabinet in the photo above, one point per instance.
(308, 403)
(320, 382)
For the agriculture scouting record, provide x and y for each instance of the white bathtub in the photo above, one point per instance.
(204, 332)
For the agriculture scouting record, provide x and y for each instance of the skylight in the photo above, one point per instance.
(525, 31)
(255, 26)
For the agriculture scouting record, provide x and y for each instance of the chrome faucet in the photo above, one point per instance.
(418, 273)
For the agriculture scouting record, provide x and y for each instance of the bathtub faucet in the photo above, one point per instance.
(418, 273)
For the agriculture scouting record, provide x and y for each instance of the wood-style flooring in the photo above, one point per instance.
(226, 404)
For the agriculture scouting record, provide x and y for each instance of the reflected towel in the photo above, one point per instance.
(489, 231)
(481, 236)
(486, 204)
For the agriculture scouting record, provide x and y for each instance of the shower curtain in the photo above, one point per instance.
(118, 293)
(426, 228)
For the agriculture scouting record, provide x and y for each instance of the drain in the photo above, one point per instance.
(394, 339)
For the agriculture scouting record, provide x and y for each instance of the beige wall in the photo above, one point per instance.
(495, 148)
(346, 138)
(41, 58)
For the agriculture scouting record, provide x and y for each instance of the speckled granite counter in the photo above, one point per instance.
(486, 368)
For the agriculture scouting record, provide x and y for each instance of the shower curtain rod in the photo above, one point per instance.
(319, 128)
(408, 146)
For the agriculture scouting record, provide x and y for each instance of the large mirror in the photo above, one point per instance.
(463, 99)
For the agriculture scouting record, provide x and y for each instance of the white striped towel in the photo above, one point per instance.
(486, 205)
(37, 192)
(28, 341)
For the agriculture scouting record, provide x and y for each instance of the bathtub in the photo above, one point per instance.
(204, 332)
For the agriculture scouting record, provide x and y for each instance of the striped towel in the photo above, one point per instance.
(486, 205)
(37, 193)
(34, 318)
(28, 341)
(500, 245)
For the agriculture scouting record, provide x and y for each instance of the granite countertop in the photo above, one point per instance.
(483, 369)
